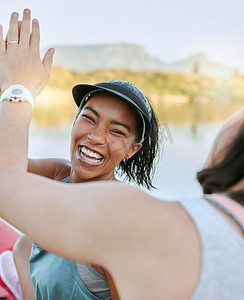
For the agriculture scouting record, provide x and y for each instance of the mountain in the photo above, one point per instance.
(132, 57)
(115, 56)
(200, 64)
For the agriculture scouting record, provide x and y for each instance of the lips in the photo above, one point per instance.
(90, 156)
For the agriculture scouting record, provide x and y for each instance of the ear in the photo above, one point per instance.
(134, 148)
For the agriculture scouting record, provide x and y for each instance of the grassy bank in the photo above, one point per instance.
(176, 98)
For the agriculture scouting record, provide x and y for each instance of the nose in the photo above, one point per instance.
(97, 136)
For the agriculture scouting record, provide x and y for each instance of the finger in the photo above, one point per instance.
(2, 42)
(35, 37)
(25, 29)
(12, 37)
(48, 60)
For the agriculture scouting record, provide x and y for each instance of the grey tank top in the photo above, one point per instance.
(222, 266)
(94, 281)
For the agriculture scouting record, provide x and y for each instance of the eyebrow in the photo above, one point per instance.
(113, 122)
(93, 110)
(121, 124)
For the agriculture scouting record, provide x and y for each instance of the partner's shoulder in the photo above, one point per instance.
(140, 212)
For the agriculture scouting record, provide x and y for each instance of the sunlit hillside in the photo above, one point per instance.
(177, 98)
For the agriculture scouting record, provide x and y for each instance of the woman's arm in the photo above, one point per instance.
(21, 254)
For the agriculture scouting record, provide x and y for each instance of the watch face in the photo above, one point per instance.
(17, 92)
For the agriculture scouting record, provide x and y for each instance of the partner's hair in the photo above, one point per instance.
(227, 172)
(141, 166)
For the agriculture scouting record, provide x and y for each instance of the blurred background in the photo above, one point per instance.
(186, 55)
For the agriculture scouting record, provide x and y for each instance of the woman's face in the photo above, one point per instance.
(103, 134)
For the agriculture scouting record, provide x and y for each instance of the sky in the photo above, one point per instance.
(169, 30)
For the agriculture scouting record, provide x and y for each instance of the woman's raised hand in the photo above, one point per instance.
(20, 61)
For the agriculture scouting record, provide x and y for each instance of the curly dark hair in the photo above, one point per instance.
(141, 166)
(228, 171)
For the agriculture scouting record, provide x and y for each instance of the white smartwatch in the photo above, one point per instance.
(18, 93)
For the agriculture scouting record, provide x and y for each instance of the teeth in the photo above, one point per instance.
(90, 153)
(93, 161)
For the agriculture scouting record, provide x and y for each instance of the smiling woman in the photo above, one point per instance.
(115, 130)
(103, 134)
(138, 164)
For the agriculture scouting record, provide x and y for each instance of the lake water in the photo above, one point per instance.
(184, 153)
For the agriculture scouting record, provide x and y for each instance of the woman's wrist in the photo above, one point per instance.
(18, 93)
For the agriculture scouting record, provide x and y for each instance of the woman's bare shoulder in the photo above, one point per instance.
(53, 168)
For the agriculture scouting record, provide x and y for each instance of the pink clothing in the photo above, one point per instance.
(9, 286)
(9, 274)
(232, 206)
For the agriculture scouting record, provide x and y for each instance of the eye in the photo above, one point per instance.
(89, 118)
(118, 132)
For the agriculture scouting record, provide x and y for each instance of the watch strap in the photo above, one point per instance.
(18, 93)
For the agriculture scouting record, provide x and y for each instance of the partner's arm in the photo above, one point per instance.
(11, 57)
(19, 62)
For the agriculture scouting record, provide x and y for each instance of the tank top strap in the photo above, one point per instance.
(222, 207)
(66, 179)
